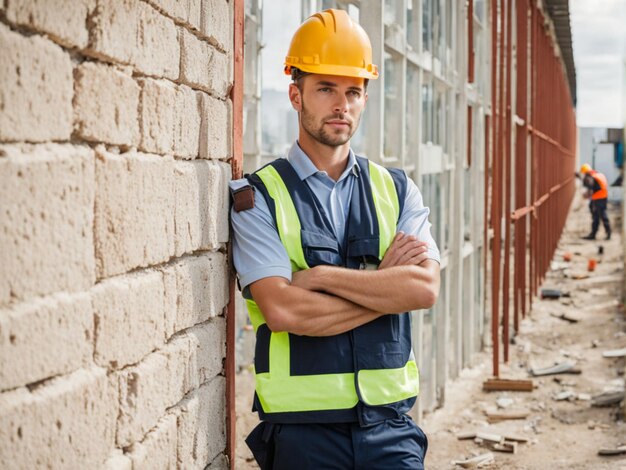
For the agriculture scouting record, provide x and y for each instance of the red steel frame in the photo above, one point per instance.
(544, 129)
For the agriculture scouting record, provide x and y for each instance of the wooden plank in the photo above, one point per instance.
(499, 385)
(496, 416)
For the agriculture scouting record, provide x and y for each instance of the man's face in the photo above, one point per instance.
(330, 106)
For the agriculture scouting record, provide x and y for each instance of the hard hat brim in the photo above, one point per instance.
(340, 70)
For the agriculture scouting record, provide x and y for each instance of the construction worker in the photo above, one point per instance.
(331, 251)
(597, 191)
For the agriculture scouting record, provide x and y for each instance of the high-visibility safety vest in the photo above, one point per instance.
(367, 374)
(603, 192)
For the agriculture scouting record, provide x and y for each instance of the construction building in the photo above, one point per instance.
(121, 124)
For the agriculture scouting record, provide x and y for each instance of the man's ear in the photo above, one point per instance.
(295, 97)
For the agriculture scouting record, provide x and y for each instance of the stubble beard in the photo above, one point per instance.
(318, 132)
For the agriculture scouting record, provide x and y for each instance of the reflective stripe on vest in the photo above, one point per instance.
(280, 392)
(603, 192)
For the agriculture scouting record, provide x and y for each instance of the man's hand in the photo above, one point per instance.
(303, 279)
(405, 250)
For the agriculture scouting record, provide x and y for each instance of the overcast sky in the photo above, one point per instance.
(599, 36)
(598, 33)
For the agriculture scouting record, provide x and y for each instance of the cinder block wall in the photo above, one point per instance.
(115, 139)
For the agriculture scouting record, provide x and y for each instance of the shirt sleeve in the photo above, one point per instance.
(414, 219)
(257, 250)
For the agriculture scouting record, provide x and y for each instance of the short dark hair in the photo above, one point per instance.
(297, 75)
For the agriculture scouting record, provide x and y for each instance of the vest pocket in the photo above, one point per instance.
(320, 249)
(262, 349)
(320, 355)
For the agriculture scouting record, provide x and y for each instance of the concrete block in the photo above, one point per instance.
(46, 222)
(118, 461)
(216, 23)
(169, 119)
(202, 425)
(37, 89)
(220, 75)
(129, 318)
(65, 21)
(134, 211)
(186, 12)
(216, 127)
(195, 13)
(135, 33)
(201, 289)
(66, 423)
(106, 105)
(201, 213)
(46, 337)
(158, 449)
(171, 299)
(114, 31)
(219, 463)
(155, 384)
(195, 59)
(186, 123)
(157, 116)
(163, 378)
(208, 351)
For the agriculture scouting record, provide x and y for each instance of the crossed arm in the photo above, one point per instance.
(328, 300)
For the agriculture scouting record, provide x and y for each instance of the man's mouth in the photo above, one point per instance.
(338, 123)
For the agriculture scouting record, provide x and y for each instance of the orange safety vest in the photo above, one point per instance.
(603, 192)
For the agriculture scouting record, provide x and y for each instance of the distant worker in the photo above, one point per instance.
(332, 251)
(597, 191)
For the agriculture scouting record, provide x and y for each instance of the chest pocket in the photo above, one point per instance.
(320, 249)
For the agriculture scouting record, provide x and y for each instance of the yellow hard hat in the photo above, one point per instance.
(586, 168)
(331, 43)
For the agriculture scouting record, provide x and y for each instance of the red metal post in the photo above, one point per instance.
(507, 188)
(495, 195)
(470, 41)
(236, 96)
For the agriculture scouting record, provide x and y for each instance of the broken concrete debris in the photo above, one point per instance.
(565, 316)
(613, 450)
(566, 367)
(476, 462)
(608, 398)
(615, 353)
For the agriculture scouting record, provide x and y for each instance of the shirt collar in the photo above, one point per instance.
(304, 166)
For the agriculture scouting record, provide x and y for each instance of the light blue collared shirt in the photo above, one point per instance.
(257, 250)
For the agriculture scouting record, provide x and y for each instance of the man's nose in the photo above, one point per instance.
(341, 105)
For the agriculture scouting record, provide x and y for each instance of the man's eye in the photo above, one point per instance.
(355, 93)
(324, 90)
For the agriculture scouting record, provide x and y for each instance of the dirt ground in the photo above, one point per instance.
(560, 434)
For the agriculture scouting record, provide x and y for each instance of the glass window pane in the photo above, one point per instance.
(439, 37)
(431, 192)
(479, 10)
(412, 110)
(412, 25)
(393, 12)
(393, 106)
(427, 25)
(427, 107)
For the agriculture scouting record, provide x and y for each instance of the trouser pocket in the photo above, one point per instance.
(261, 442)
